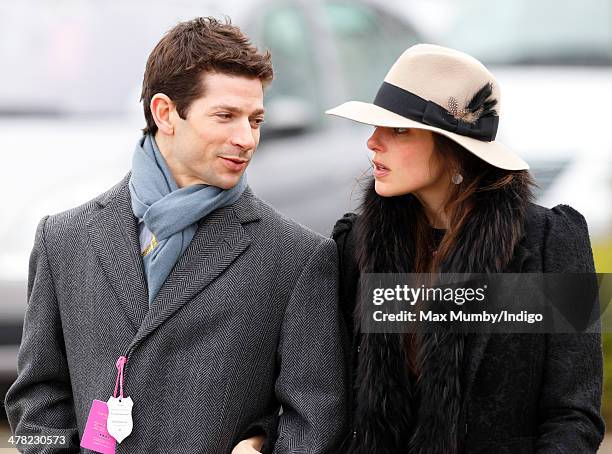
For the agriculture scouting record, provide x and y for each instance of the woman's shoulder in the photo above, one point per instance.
(344, 235)
(343, 226)
(561, 235)
(562, 222)
(558, 220)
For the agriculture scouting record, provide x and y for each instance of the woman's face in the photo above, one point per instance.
(405, 162)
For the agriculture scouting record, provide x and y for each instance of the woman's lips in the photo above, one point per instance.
(234, 164)
(380, 170)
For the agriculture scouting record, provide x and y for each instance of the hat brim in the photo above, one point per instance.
(495, 153)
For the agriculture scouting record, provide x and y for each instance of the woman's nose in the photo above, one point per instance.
(374, 142)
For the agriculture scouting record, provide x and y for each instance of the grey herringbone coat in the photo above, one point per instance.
(246, 321)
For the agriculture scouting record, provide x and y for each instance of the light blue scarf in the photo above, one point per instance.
(169, 213)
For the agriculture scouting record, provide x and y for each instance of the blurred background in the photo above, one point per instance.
(70, 113)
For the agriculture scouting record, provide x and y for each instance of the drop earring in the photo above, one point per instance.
(457, 178)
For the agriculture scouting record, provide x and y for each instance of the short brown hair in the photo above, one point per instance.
(192, 48)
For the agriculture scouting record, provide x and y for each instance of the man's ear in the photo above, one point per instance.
(162, 108)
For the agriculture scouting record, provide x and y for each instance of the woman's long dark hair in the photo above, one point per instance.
(479, 177)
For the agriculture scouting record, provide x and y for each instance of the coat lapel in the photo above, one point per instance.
(476, 344)
(114, 238)
(219, 240)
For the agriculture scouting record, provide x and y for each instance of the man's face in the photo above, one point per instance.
(215, 142)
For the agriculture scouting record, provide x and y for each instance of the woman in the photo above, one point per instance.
(447, 197)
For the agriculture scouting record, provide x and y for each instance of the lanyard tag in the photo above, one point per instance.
(119, 422)
(95, 436)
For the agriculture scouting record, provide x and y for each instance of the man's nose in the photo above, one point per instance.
(243, 136)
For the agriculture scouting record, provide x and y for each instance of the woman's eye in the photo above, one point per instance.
(400, 130)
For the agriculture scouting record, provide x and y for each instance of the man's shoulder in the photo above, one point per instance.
(77, 217)
(286, 230)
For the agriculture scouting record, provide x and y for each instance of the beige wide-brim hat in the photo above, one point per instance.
(441, 90)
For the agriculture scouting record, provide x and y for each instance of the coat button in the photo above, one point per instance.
(358, 348)
(354, 434)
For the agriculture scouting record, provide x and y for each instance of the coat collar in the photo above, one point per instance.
(219, 240)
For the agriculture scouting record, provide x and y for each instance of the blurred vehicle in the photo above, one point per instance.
(70, 117)
(554, 64)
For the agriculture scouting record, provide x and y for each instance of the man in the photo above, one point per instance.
(180, 289)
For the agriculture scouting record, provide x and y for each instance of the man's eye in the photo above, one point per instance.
(400, 130)
(224, 115)
(257, 122)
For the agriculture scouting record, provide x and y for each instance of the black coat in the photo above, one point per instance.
(519, 393)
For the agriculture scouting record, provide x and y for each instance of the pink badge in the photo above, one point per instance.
(96, 436)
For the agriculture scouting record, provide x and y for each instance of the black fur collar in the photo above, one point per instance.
(387, 418)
